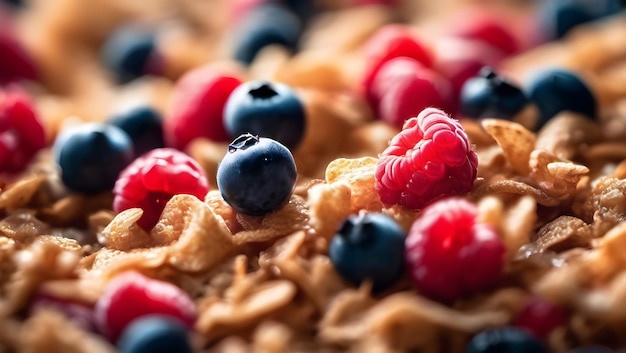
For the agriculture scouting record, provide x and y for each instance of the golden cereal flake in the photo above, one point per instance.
(567, 135)
(19, 194)
(329, 205)
(123, 233)
(516, 142)
(358, 173)
(563, 233)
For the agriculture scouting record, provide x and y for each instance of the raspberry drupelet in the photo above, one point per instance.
(151, 180)
(449, 254)
(429, 159)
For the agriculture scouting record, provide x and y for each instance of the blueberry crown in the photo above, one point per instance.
(242, 142)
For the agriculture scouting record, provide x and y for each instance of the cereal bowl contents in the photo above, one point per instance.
(453, 178)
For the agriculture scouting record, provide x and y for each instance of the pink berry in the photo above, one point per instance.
(79, 313)
(540, 317)
(21, 133)
(15, 62)
(131, 295)
(429, 159)
(151, 180)
(449, 254)
(404, 87)
(485, 27)
(389, 42)
(197, 105)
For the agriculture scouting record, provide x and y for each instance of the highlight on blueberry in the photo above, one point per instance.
(257, 175)
(505, 339)
(268, 109)
(490, 95)
(91, 156)
(369, 246)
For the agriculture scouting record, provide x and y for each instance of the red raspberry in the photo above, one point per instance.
(15, 62)
(404, 87)
(449, 255)
(21, 133)
(389, 42)
(151, 180)
(132, 295)
(197, 105)
(429, 159)
(539, 317)
(485, 27)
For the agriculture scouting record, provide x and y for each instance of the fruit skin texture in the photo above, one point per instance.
(131, 295)
(267, 109)
(257, 175)
(91, 156)
(155, 334)
(504, 339)
(151, 180)
(449, 254)
(21, 133)
(489, 95)
(197, 106)
(404, 88)
(557, 90)
(143, 125)
(369, 246)
(429, 159)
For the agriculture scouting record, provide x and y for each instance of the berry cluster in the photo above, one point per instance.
(429, 159)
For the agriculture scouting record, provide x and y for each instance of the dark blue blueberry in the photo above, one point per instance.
(257, 175)
(266, 109)
(144, 126)
(305, 9)
(591, 349)
(129, 53)
(91, 156)
(557, 90)
(558, 17)
(505, 340)
(369, 246)
(15, 3)
(155, 334)
(491, 96)
(263, 25)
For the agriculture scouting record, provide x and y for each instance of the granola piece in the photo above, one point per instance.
(359, 175)
(516, 142)
(563, 233)
(567, 135)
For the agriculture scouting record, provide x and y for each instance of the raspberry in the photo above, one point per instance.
(540, 317)
(21, 133)
(15, 62)
(429, 159)
(389, 42)
(151, 180)
(485, 27)
(404, 87)
(132, 295)
(449, 255)
(197, 105)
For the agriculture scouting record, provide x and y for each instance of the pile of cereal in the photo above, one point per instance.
(312, 176)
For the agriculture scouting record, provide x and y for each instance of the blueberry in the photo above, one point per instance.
(505, 340)
(144, 125)
(491, 96)
(557, 90)
(267, 109)
(559, 17)
(369, 246)
(265, 24)
(591, 349)
(91, 156)
(155, 334)
(257, 175)
(130, 52)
